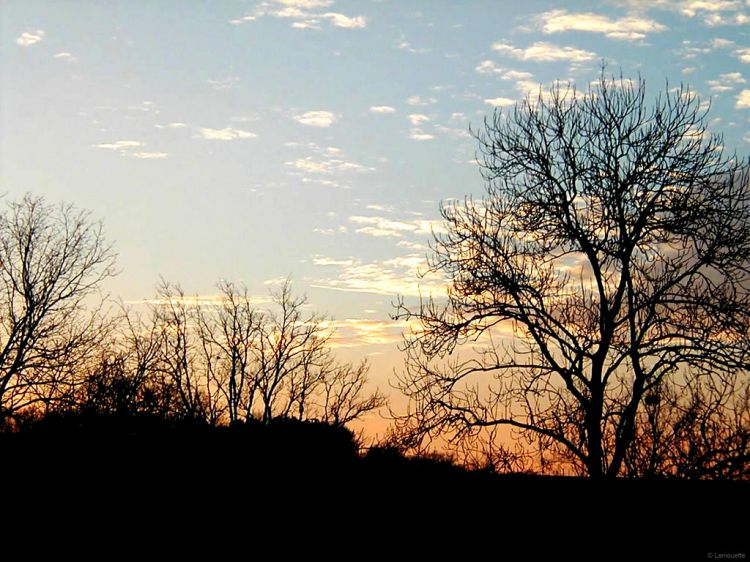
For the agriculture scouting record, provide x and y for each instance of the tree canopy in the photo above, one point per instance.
(607, 262)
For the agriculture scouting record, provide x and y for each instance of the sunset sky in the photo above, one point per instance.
(250, 141)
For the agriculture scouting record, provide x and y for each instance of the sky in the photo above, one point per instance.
(251, 141)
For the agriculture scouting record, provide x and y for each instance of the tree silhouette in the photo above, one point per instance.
(608, 260)
(223, 360)
(51, 260)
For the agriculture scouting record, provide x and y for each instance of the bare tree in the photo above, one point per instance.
(608, 259)
(291, 350)
(344, 394)
(697, 429)
(52, 259)
(175, 317)
(223, 360)
(228, 334)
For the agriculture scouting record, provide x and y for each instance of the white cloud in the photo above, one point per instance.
(66, 56)
(340, 20)
(420, 101)
(120, 145)
(150, 155)
(715, 20)
(419, 135)
(500, 102)
(402, 275)
(743, 55)
(384, 227)
(316, 119)
(691, 8)
(244, 19)
(355, 332)
(452, 131)
(310, 24)
(176, 125)
(417, 118)
(313, 165)
(124, 147)
(628, 28)
(544, 52)
(382, 109)
(726, 82)
(324, 261)
(28, 38)
(517, 75)
(743, 100)
(406, 46)
(714, 12)
(304, 14)
(720, 43)
(305, 4)
(226, 134)
(489, 67)
(224, 83)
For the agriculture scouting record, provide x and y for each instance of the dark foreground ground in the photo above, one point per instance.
(140, 488)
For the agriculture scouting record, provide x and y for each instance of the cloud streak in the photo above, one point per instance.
(403, 275)
(321, 119)
(227, 134)
(541, 51)
(629, 28)
(304, 14)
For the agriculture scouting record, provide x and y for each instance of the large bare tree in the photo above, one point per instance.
(52, 259)
(607, 262)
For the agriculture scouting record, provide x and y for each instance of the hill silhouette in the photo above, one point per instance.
(308, 481)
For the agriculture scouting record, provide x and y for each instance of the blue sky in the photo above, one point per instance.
(314, 138)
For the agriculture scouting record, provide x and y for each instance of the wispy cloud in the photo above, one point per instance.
(318, 165)
(321, 119)
(356, 332)
(324, 261)
(149, 155)
(743, 100)
(175, 125)
(404, 45)
(385, 227)
(224, 83)
(489, 67)
(544, 52)
(65, 56)
(28, 38)
(227, 134)
(743, 55)
(304, 14)
(403, 275)
(630, 28)
(420, 135)
(713, 12)
(306, 4)
(417, 118)
(382, 109)
(120, 145)
(340, 20)
(500, 102)
(726, 82)
(126, 148)
(420, 101)
(452, 131)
